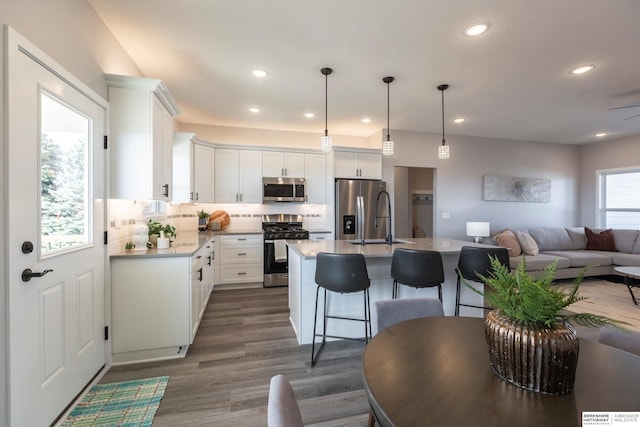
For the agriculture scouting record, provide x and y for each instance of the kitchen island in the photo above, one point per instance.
(302, 286)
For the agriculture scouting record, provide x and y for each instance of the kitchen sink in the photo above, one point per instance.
(379, 242)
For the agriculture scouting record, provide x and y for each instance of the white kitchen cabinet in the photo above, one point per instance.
(315, 169)
(239, 259)
(237, 176)
(193, 164)
(320, 236)
(350, 164)
(201, 284)
(281, 163)
(140, 138)
(157, 303)
(151, 308)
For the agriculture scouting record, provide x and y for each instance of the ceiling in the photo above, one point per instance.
(513, 82)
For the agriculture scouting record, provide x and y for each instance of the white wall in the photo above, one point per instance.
(70, 32)
(616, 154)
(458, 180)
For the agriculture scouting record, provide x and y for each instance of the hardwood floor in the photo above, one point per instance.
(244, 339)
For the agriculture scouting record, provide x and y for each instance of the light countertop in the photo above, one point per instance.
(308, 249)
(186, 243)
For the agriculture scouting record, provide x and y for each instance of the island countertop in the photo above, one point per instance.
(308, 249)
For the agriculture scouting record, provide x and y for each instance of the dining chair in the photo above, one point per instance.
(282, 408)
(417, 269)
(624, 340)
(390, 312)
(340, 274)
(474, 261)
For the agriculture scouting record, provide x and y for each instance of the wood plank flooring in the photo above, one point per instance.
(244, 339)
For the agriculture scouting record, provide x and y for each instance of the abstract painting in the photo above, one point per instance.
(515, 189)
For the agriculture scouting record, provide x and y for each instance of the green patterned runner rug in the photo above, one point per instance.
(127, 403)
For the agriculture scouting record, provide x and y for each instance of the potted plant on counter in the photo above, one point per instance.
(531, 341)
(203, 219)
(156, 229)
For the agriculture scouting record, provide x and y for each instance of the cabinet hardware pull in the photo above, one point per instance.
(165, 191)
(242, 238)
(200, 274)
(191, 196)
(197, 196)
(242, 273)
(242, 253)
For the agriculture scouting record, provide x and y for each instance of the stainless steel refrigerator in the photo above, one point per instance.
(355, 215)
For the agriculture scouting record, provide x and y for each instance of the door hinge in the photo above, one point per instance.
(106, 142)
(106, 239)
(106, 333)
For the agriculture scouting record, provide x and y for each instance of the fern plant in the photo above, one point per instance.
(522, 297)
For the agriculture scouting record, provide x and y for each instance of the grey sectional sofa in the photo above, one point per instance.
(568, 247)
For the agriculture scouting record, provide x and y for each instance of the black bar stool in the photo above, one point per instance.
(418, 269)
(340, 273)
(474, 261)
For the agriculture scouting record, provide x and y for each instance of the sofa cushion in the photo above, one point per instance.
(584, 258)
(527, 243)
(625, 240)
(551, 239)
(621, 258)
(507, 239)
(539, 262)
(602, 241)
(578, 238)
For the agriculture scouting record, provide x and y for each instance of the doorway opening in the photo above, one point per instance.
(413, 194)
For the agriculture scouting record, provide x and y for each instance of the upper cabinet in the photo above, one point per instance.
(193, 163)
(359, 165)
(279, 163)
(140, 138)
(315, 173)
(237, 176)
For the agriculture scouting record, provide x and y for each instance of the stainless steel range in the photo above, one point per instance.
(277, 229)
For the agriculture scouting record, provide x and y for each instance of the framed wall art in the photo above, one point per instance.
(515, 189)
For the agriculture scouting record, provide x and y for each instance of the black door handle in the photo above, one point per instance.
(27, 274)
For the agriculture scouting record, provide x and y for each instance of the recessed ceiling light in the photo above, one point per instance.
(254, 109)
(309, 115)
(366, 120)
(583, 69)
(476, 29)
(458, 120)
(259, 73)
(601, 134)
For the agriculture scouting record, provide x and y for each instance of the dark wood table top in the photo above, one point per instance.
(435, 371)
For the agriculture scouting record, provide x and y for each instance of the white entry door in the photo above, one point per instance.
(55, 239)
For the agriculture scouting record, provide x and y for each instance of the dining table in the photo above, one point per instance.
(435, 371)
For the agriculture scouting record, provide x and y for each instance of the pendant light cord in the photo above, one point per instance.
(326, 102)
(442, 91)
(388, 136)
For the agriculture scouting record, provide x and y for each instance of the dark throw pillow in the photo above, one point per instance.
(602, 241)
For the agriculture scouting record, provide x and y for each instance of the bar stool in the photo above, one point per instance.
(340, 273)
(475, 261)
(418, 269)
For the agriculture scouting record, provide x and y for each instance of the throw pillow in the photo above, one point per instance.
(507, 239)
(602, 241)
(528, 245)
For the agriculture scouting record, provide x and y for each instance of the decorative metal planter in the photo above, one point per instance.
(536, 358)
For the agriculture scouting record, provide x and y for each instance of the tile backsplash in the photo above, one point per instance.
(122, 215)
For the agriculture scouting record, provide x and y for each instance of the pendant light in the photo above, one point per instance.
(387, 146)
(443, 150)
(325, 141)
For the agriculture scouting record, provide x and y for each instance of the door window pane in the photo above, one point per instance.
(65, 137)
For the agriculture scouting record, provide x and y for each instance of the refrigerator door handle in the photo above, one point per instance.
(360, 218)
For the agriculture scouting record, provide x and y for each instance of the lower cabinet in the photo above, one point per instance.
(157, 304)
(239, 259)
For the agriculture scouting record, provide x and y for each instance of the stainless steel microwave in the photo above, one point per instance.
(283, 190)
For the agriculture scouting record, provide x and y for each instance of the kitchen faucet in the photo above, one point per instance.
(389, 237)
